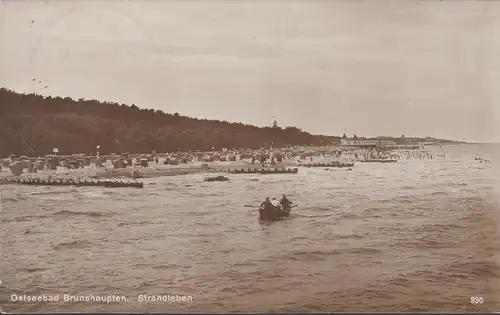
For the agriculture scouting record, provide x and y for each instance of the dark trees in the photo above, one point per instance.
(33, 125)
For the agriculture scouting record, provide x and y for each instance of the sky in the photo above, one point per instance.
(371, 68)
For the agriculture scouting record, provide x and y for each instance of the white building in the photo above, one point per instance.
(386, 143)
(427, 143)
(359, 143)
(354, 141)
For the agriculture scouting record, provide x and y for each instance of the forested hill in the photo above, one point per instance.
(33, 125)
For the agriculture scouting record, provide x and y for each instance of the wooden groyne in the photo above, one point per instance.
(264, 171)
(379, 161)
(330, 164)
(72, 182)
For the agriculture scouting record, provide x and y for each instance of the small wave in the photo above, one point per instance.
(436, 227)
(110, 192)
(363, 251)
(34, 269)
(457, 184)
(168, 266)
(213, 224)
(77, 213)
(73, 244)
(60, 192)
(350, 236)
(349, 216)
(245, 264)
(26, 218)
(439, 193)
(200, 213)
(213, 194)
(124, 224)
(374, 210)
(13, 199)
(408, 187)
(316, 215)
(169, 186)
(405, 199)
(226, 251)
(146, 285)
(296, 238)
(94, 194)
(311, 255)
(482, 269)
(323, 255)
(425, 242)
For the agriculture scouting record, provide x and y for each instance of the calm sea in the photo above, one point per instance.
(418, 235)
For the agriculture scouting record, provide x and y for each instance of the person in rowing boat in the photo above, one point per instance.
(285, 203)
(275, 203)
(266, 204)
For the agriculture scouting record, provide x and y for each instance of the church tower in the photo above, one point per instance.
(275, 123)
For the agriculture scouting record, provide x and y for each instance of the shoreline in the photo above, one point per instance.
(154, 170)
(151, 171)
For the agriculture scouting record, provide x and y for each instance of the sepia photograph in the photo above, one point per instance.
(249, 156)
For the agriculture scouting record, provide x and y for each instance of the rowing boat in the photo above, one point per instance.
(273, 213)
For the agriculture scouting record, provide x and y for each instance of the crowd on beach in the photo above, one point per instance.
(362, 154)
(266, 157)
(416, 155)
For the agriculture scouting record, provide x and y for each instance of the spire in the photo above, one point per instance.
(275, 123)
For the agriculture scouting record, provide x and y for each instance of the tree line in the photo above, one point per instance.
(32, 124)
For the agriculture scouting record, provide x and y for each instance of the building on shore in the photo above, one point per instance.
(365, 143)
(428, 143)
(380, 142)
